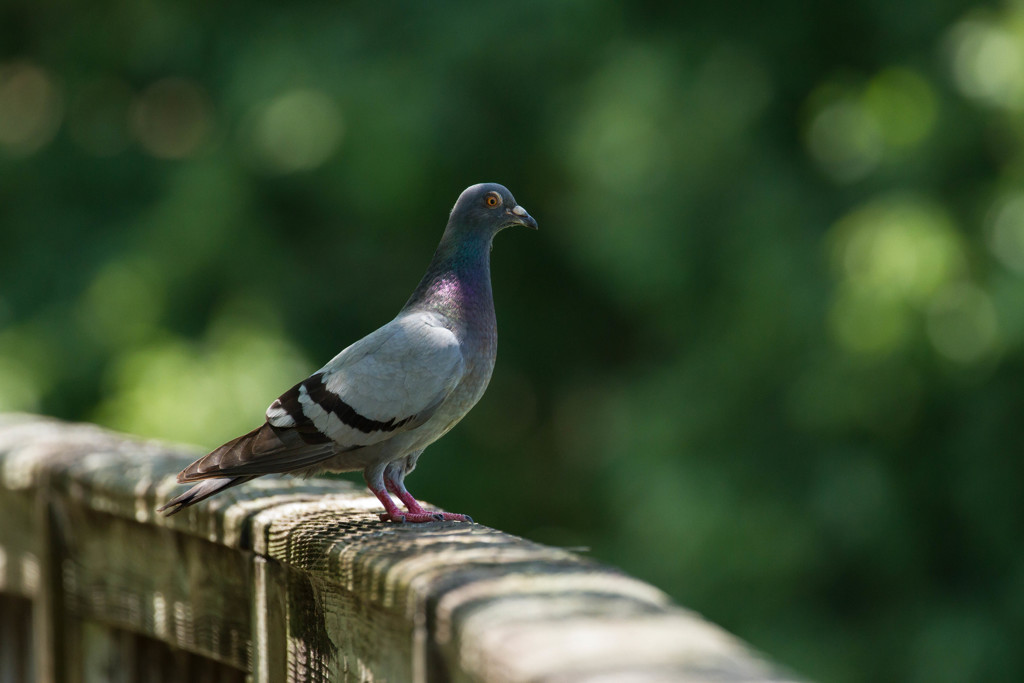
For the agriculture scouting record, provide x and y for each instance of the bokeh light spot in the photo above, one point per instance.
(123, 304)
(26, 368)
(901, 245)
(297, 131)
(618, 141)
(845, 139)
(962, 323)
(1006, 232)
(904, 105)
(891, 256)
(868, 321)
(209, 391)
(30, 108)
(171, 118)
(19, 390)
(988, 63)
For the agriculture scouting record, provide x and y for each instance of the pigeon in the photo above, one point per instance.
(379, 403)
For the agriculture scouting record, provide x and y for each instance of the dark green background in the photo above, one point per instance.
(766, 351)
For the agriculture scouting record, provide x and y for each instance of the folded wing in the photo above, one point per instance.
(391, 381)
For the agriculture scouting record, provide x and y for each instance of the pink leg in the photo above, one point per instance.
(393, 514)
(382, 479)
(397, 487)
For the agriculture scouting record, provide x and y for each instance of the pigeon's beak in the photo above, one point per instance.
(520, 216)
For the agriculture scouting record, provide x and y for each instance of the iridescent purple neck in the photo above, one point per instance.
(457, 283)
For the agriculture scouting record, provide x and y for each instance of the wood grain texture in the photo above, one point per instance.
(294, 580)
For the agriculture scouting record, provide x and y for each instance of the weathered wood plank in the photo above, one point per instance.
(300, 581)
(182, 590)
(16, 660)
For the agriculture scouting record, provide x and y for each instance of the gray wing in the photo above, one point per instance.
(391, 381)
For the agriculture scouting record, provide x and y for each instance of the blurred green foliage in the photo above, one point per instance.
(767, 350)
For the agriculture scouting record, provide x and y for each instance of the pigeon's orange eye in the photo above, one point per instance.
(493, 200)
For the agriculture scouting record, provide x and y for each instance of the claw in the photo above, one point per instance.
(455, 517)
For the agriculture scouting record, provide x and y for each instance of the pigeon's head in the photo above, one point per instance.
(487, 208)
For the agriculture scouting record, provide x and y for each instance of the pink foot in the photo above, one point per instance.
(424, 516)
(399, 517)
(416, 514)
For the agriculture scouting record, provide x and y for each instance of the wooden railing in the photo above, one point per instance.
(285, 580)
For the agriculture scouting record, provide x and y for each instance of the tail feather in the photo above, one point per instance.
(264, 450)
(201, 491)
